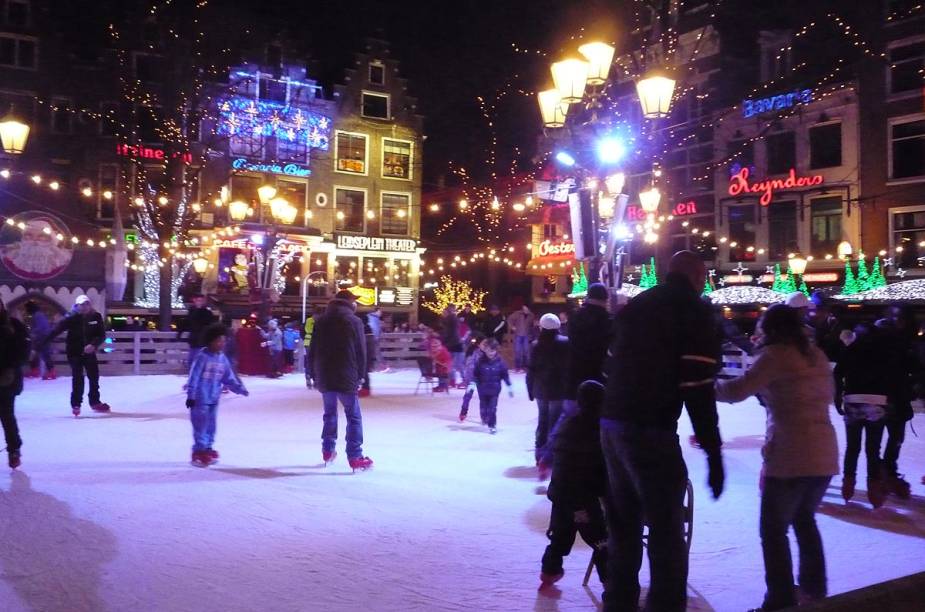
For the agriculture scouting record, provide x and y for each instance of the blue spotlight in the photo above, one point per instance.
(610, 150)
(565, 158)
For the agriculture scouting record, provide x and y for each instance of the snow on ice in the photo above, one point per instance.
(106, 513)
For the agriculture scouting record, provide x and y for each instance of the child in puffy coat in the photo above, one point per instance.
(488, 373)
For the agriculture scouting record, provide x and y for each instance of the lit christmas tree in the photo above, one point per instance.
(851, 285)
(778, 283)
(877, 279)
(863, 276)
(790, 285)
(707, 287)
(579, 281)
(459, 293)
(653, 274)
(803, 288)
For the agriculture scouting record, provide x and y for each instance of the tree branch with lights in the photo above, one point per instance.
(459, 293)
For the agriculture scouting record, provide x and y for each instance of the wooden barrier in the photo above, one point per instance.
(401, 350)
(133, 353)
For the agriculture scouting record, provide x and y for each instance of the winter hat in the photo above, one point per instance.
(597, 291)
(81, 299)
(550, 321)
(797, 299)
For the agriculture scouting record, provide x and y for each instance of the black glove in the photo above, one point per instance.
(717, 477)
(190, 403)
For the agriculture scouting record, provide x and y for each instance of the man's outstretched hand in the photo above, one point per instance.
(717, 477)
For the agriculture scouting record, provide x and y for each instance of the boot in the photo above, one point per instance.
(15, 458)
(876, 492)
(898, 486)
(201, 459)
(847, 488)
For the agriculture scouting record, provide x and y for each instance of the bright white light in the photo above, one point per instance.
(257, 238)
(565, 158)
(610, 150)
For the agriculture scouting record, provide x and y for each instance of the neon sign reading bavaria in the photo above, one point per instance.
(750, 108)
(738, 184)
(287, 169)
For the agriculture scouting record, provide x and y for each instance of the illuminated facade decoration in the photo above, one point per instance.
(245, 116)
(739, 184)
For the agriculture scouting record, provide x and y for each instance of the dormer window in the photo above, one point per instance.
(375, 105)
(376, 73)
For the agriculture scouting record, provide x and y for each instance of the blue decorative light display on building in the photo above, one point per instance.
(262, 118)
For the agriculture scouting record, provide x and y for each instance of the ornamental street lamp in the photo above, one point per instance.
(200, 265)
(649, 200)
(266, 193)
(13, 133)
(844, 250)
(238, 210)
(570, 77)
(655, 91)
(797, 264)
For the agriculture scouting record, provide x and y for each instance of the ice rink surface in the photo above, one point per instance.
(106, 514)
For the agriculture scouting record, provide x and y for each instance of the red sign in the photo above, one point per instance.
(738, 184)
(148, 153)
(548, 248)
(681, 209)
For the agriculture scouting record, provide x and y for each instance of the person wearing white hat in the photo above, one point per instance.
(546, 371)
(85, 333)
(797, 299)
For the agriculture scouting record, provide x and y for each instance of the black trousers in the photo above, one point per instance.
(873, 431)
(896, 435)
(647, 480)
(80, 365)
(570, 516)
(8, 418)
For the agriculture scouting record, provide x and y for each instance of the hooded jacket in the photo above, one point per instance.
(548, 364)
(578, 468)
(337, 353)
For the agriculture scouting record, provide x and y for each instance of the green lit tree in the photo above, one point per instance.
(877, 279)
(803, 288)
(863, 276)
(579, 280)
(707, 287)
(653, 274)
(777, 285)
(851, 285)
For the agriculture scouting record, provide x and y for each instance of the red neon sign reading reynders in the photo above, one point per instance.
(738, 184)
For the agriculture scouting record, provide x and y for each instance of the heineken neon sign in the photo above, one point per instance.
(760, 106)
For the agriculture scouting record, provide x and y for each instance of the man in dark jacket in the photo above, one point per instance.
(494, 324)
(588, 339)
(85, 334)
(546, 380)
(198, 318)
(664, 355)
(337, 358)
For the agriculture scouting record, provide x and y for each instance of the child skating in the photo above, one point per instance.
(209, 373)
(487, 375)
(473, 353)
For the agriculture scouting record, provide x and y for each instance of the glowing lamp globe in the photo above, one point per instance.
(288, 213)
(615, 183)
(552, 109)
(655, 91)
(200, 265)
(599, 56)
(570, 77)
(276, 206)
(266, 193)
(649, 199)
(238, 210)
(797, 264)
(13, 134)
(844, 249)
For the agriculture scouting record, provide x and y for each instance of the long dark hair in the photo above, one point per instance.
(783, 325)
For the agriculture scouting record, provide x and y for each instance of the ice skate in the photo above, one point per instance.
(14, 458)
(847, 488)
(550, 579)
(876, 492)
(75, 410)
(898, 486)
(213, 455)
(201, 459)
(462, 417)
(101, 407)
(328, 457)
(492, 430)
(360, 463)
(50, 375)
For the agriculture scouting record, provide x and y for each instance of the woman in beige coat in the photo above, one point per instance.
(800, 453)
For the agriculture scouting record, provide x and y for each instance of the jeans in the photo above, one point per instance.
(647, 479)
(351, 404)
(79, 365)
(896, 435)
(203, 416)
(458, 367)
(786, 502)
(874, 433)
(521, 352)
(549, 412)
(488, 409)
(8, 418)
(568, 518)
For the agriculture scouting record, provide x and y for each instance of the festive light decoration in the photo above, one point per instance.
(850, 286)
(648, 277)
(910, 290)
(245, 115)
(745, 294)
(459, 293)
(707, 287)
(579, 282)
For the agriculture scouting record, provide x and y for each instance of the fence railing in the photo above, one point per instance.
(141, 352)
(401, 350)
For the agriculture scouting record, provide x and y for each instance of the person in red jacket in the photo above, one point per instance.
(443, 362)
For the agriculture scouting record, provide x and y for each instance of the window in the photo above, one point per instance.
(550, 231)
(274, 56)
(825, 146)
(781, 150)
(17, 12)
(400, 273)
(248, 143)
(244, 188)
(148, 122)
(149, 68)
(345, 270)
(908, 229)
(272, 89)
(907, 67)
(296, 193)
(375, 105)
(825, 225)
(782, 230)
(350, 152)
(396, 159)
(108, 184)
(292, 149)
(907, 148)
(375, 271)
(741, 232)
(777, 61)
(350, 210)
(18, 51)
(396, 213)
(376, 73)
(61, 117)
(110, 114)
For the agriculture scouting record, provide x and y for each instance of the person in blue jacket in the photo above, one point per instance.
(487, 375)
(209, 373)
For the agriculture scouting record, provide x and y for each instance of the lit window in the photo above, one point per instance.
(351, 152)
(825, 225)
(375, 105)
(396, 159)
(396, 214)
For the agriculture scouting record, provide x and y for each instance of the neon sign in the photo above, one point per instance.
(548, 248)
(150, 153)
(681, 209)
(287, 169)
(750, 108)
(239, 115)
(738, 184)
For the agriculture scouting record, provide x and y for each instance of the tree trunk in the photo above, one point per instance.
(165, 301)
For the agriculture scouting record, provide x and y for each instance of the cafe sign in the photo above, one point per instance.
(273, 168)
(740, 185)
(548, 248)
(351, 242)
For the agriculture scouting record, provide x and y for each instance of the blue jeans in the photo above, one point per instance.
(488, 409)
(351, 404)
(202, 416)
(459, 366)
(786, 502)
(521, 352)
(548, 417)
(647, 479)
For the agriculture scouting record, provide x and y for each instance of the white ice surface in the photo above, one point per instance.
(106, 514)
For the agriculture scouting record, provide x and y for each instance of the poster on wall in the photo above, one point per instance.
(31, 249)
